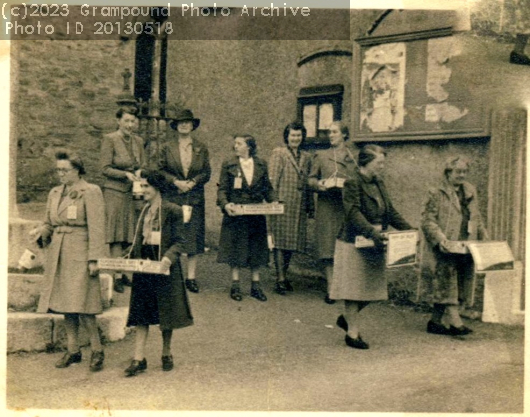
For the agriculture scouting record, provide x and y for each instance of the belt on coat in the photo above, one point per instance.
(70, 229)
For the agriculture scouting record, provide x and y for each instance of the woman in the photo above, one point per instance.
(243, 243)
(122, 156)
(288, 170)
(451, 214)
(74, 231)
(185, 163)
(328, 165)
(157, 298)
(359, 274)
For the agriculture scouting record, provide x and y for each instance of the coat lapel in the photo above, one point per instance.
(291, 159)
(195, 150)
(451, 193)
(175, 153)
(79, 188)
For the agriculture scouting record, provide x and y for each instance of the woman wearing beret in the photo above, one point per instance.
(185, 163)
(243, 244)
(451, 214)
(74, 232)
(288, 170)
(122, 156)
(157, 298)
(359, 273)
(336, 162)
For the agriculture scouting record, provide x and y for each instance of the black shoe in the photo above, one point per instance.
(288, 286)
(258, 294)
(167, 363)
(96, 361)
(136, 367)
(357, 343)
(328, 300)
(342, 323)
(192, 286)
(437, 328)
(459, 331)
(235, 294)
(520, 59)
(68, 359)
(118, 285)
(280, 288)
(126, 281)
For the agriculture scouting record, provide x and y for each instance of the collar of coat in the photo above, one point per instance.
(234, 161)
(449, 189)
(195, 144)
(344, 156)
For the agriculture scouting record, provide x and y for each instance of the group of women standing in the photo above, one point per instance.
(82, 223)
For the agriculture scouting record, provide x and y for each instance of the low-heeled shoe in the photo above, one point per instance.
(118, 285)
(68, 359)
(328, 300)
(520, 59)
(167, 363)
(96, 361)
(342, 323)
(136, 367)
(280, 288)
(459, 331)
(356, 343)
(192, 286)
(235, 294)
(258, 294)
(288, 285)
(437, 328)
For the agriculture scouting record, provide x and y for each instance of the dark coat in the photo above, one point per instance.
(170, 166)
(243, 241)
(362, 210)
(171, 297)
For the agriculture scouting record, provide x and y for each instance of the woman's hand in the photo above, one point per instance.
(230, 209)
(444, 248)
(131, 177)
(321, 185)
(35, 233)
(93, 268)
(166, 262)
(183, 186)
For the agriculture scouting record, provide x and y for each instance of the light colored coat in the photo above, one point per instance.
(289, 178)
(68, 286)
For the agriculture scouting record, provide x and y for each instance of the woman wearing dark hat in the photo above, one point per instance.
(359, 273)
(185, 163)
(157, 298)
(74, 233)
(122, 155)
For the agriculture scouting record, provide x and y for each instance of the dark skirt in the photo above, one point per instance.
(243, 242)
(120, 216)
(194, 231)
(159, 299)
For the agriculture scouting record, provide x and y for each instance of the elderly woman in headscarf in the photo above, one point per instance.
(451, 213)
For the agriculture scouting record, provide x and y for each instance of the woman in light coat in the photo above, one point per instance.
(74, 234)
(336, 162)
(288, 170)
(451, 213)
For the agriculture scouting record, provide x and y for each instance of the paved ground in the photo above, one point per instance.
(287, 355)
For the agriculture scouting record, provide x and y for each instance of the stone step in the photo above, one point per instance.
(34, 332)
(23, 291)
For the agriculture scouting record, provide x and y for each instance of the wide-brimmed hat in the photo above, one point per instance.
(185, 115)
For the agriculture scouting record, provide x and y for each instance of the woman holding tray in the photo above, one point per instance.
(359, 273)
(74, 232)
(185, 163)
(157, 298)
(329, 169)
(451, 214)
(288, 170)
(243, 244)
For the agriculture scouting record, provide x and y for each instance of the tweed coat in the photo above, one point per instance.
(289, 180)
(359, 274)
(116, 160)
(170, 165)
(68, 287)
(171, 296)
(243, 241)
(452, 275)
(329, 209)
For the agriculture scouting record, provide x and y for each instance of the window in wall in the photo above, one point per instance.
(318, 107)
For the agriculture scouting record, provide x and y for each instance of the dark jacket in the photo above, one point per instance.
(260, 189)
(170, 166)
(362, 210)
(116, 160)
